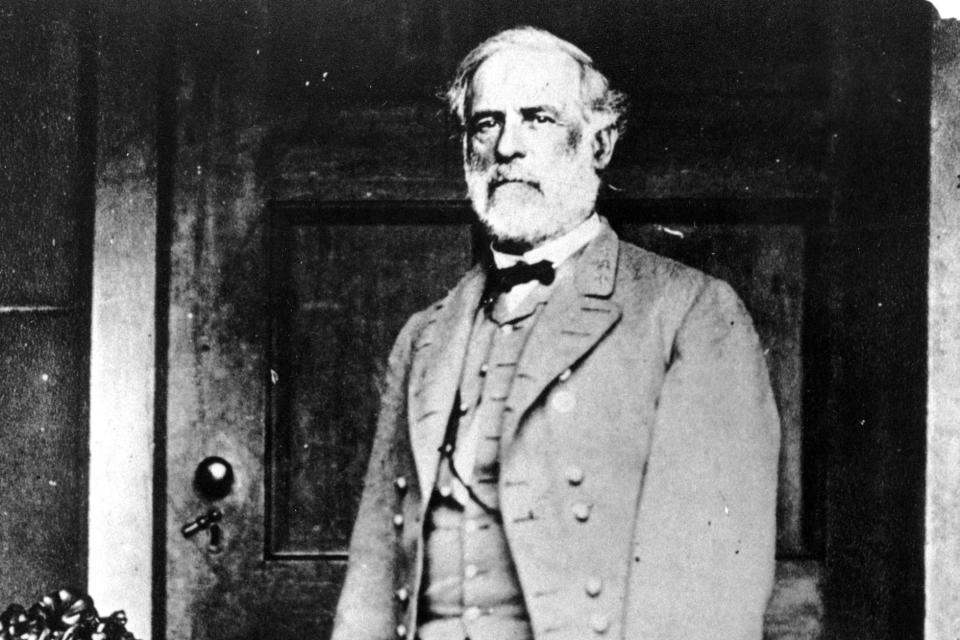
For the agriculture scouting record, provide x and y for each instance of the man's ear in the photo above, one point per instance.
(604, 141)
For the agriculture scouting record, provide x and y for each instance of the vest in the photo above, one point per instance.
(471, 590)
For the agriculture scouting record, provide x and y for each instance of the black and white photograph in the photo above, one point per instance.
(453, 320)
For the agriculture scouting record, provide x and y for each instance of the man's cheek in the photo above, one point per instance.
(477, 157)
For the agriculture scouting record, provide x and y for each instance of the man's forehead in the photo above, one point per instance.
(522, 77)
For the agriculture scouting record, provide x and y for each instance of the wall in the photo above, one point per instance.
(47, 105)
(875, 447)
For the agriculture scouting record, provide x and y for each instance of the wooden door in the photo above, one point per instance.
(280, 323)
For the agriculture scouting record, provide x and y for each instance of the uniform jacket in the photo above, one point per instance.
(639, 459)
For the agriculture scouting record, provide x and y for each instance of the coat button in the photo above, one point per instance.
(464, 407)
(563, 401)
(400, 483)
(484, 368)
(565, 375)
(402, 594)
(471, 613)
(398, 520)
(573, 474)
(401, 631)
(471, 526)
(471, 571)
(507, 329)
(599, 623)
(581, 511)
(593, 586)
(445, 491)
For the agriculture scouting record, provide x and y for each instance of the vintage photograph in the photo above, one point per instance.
(452, 320)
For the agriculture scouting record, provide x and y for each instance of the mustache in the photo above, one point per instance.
(500, 175)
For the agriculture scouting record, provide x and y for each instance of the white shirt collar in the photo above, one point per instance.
(556, 250)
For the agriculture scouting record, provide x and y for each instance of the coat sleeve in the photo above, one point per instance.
(365, 610)
(705, 536)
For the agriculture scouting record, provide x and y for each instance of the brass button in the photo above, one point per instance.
(464, 407)
(471, 571)
(447, 448)
(574, 474)
(398, 520)
(599, 623)
(581, 511)
(401, 631)
(472, 613)
(401, 483)
(507, 329)
(565, 375)
(593, 586)
(402, 594)
(484, 368)
(445, 491)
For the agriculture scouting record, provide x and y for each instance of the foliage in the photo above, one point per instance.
(67, 614)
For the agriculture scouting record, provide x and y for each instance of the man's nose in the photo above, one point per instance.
(511, 143)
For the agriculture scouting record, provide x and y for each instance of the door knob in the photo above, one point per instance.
(212, 481)
(213, 478)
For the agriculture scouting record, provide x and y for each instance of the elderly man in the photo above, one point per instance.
(580, 440)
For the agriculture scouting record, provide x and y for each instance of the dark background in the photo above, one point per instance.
(818, 106)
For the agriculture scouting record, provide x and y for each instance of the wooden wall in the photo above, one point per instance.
(47, 106)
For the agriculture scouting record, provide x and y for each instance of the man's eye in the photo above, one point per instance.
(542, 118)
(484, 124)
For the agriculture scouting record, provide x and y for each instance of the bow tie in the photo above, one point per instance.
(503, 280)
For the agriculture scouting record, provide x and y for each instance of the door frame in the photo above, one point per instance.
(123, 400)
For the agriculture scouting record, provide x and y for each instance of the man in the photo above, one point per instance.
(580, 440)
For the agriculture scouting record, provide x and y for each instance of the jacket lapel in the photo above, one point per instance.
(438, 356)
(576, 317)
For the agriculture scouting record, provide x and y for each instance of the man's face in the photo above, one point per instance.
(528, 153)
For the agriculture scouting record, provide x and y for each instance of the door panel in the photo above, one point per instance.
(345, 291)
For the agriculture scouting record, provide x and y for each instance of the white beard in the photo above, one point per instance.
(541, 205)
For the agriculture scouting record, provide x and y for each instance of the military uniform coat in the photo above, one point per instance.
(638, 459)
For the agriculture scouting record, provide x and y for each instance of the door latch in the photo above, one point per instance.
(206, 522)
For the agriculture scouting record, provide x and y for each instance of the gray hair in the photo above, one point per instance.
(603, 105)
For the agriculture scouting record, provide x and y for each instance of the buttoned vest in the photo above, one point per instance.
(471, 588)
